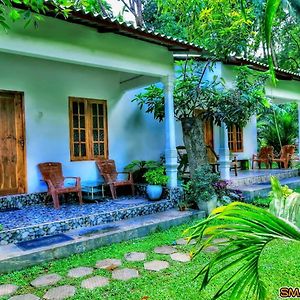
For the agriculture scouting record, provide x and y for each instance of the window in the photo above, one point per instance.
(235, 138)
(88, 129)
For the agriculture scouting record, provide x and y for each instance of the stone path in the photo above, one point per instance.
(60, 293)
(94, 282)
(181, 257)
(135, 256)
(125, 274)
(156, 265)
(183, 241)
(211, 249)
(80, 272)
(165, 250)
(7, 289)
(46, 280)
(109, 264)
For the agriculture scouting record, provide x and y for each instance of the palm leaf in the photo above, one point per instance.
(249, 229)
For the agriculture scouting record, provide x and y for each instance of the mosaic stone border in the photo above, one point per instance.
(19, 201)
(36, 231)
(263, 178)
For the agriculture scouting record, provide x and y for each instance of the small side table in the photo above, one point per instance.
(93, 190)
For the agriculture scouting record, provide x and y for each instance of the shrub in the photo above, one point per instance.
(138, 168)
(156, 176)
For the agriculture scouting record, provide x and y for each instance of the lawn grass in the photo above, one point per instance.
(279, 266)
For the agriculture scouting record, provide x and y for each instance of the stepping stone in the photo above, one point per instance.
(165, 250)
(211, 249)
(46, 280)
(156, 265)
(183, 241)
(7, 289)
(108, 264)
(135, 256)
(80, 272)
(182, 257)
(94, 282)
(220, 240)
(60, 293)
(25, 297)
(125, 274)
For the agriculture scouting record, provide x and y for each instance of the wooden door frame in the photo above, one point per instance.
(22, 115)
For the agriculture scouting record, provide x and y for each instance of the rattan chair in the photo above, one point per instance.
(53, 176)
(107, 168)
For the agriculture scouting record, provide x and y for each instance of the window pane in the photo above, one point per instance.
(75, 107)
(82, 135)
(76, 150)
(101, 152)
(96, 149)
(94, 108)
(81, 108)
(95, 135)
(75, 121)
(83, 150)
(76, 136)
(82, 122)
(100, 108)
(101, 122)
(101, 135)
(95, 124)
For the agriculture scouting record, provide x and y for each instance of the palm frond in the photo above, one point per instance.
(249, 229)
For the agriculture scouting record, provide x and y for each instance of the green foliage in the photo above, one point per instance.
(285, 203)
(33, 8)
(156, 176)
(217, 25)
(201, 187)
(1, 227)
(138, 168)
(249, 229)
(277, 126)
(193, 91)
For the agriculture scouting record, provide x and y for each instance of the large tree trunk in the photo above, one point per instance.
(194, 141)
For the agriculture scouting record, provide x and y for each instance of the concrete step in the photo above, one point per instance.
(262, 189)
(252, 177)
(13, 258)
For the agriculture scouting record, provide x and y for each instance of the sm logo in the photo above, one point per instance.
(286, 292)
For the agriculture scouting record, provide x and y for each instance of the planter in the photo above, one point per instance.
(208, 206)
(154, 192)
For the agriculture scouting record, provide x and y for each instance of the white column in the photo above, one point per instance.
(224, 154)
(299, 129)
(170, 134)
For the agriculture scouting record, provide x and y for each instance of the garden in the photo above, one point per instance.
(241, 250)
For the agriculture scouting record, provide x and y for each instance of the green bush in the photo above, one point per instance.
(156, 176)
(138, 168)
(201, 187)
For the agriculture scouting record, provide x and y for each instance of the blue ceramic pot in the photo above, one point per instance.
(154, 191)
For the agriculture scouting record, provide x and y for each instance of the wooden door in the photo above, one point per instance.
(209, 133)
(12, 144)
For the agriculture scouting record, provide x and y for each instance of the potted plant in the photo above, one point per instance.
(138, 168)
(155, 178)
(200, 190)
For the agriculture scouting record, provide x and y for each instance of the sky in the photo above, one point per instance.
(117, 7)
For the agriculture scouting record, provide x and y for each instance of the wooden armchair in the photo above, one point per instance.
(52, 175)
(213, 160)
(108, 170)
(285, 156)
(264, 156)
